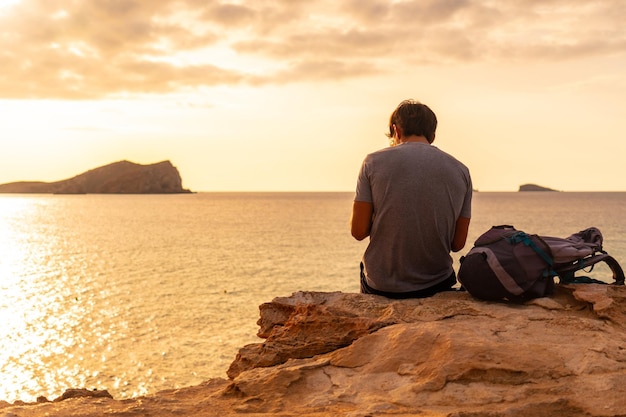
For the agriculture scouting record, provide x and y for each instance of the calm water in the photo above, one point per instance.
(136, 294)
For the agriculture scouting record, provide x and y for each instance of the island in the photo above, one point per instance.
(534, 187)
(123, 177)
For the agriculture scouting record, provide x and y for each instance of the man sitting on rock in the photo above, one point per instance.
(414, 202)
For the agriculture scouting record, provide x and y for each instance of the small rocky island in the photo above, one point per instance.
(534, 187)
(123, 177)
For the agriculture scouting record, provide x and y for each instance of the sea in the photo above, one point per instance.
(140, 293)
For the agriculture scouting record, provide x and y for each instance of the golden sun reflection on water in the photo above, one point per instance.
(34, 309)
(64, 320)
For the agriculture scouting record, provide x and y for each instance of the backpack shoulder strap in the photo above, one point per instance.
(566, 273)
(507, 281)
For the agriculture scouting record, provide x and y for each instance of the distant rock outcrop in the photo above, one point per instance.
(338, 354)
(122, 177)
(534, 187)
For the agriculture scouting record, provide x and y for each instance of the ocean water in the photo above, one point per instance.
(136, 294)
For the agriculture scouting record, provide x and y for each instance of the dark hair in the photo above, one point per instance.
(414, 118)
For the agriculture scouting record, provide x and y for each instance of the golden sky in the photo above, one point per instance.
(290, 95)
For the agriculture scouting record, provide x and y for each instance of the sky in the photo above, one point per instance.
(290, 95)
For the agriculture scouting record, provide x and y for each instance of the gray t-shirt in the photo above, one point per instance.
(417, 192)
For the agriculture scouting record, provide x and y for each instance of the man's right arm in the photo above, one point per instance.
(361, 220)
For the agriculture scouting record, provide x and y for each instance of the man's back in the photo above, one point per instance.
(417, 192)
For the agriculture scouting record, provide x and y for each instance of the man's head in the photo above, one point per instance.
(413, 118)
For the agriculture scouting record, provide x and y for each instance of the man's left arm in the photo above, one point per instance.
(460, 233)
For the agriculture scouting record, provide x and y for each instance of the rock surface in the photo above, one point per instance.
(121, 177)
(330, 354)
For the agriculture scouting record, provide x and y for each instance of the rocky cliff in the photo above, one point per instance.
(122, 177)
(337, 354)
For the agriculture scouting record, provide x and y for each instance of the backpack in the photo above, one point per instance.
(508, 264)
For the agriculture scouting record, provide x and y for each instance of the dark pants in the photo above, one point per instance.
(426, 292)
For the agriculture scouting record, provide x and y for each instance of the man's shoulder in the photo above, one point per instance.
(450, 157)
(382, 151)
(380, 154)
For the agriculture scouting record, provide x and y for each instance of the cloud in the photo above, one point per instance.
(90, 49)
(230, 15)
